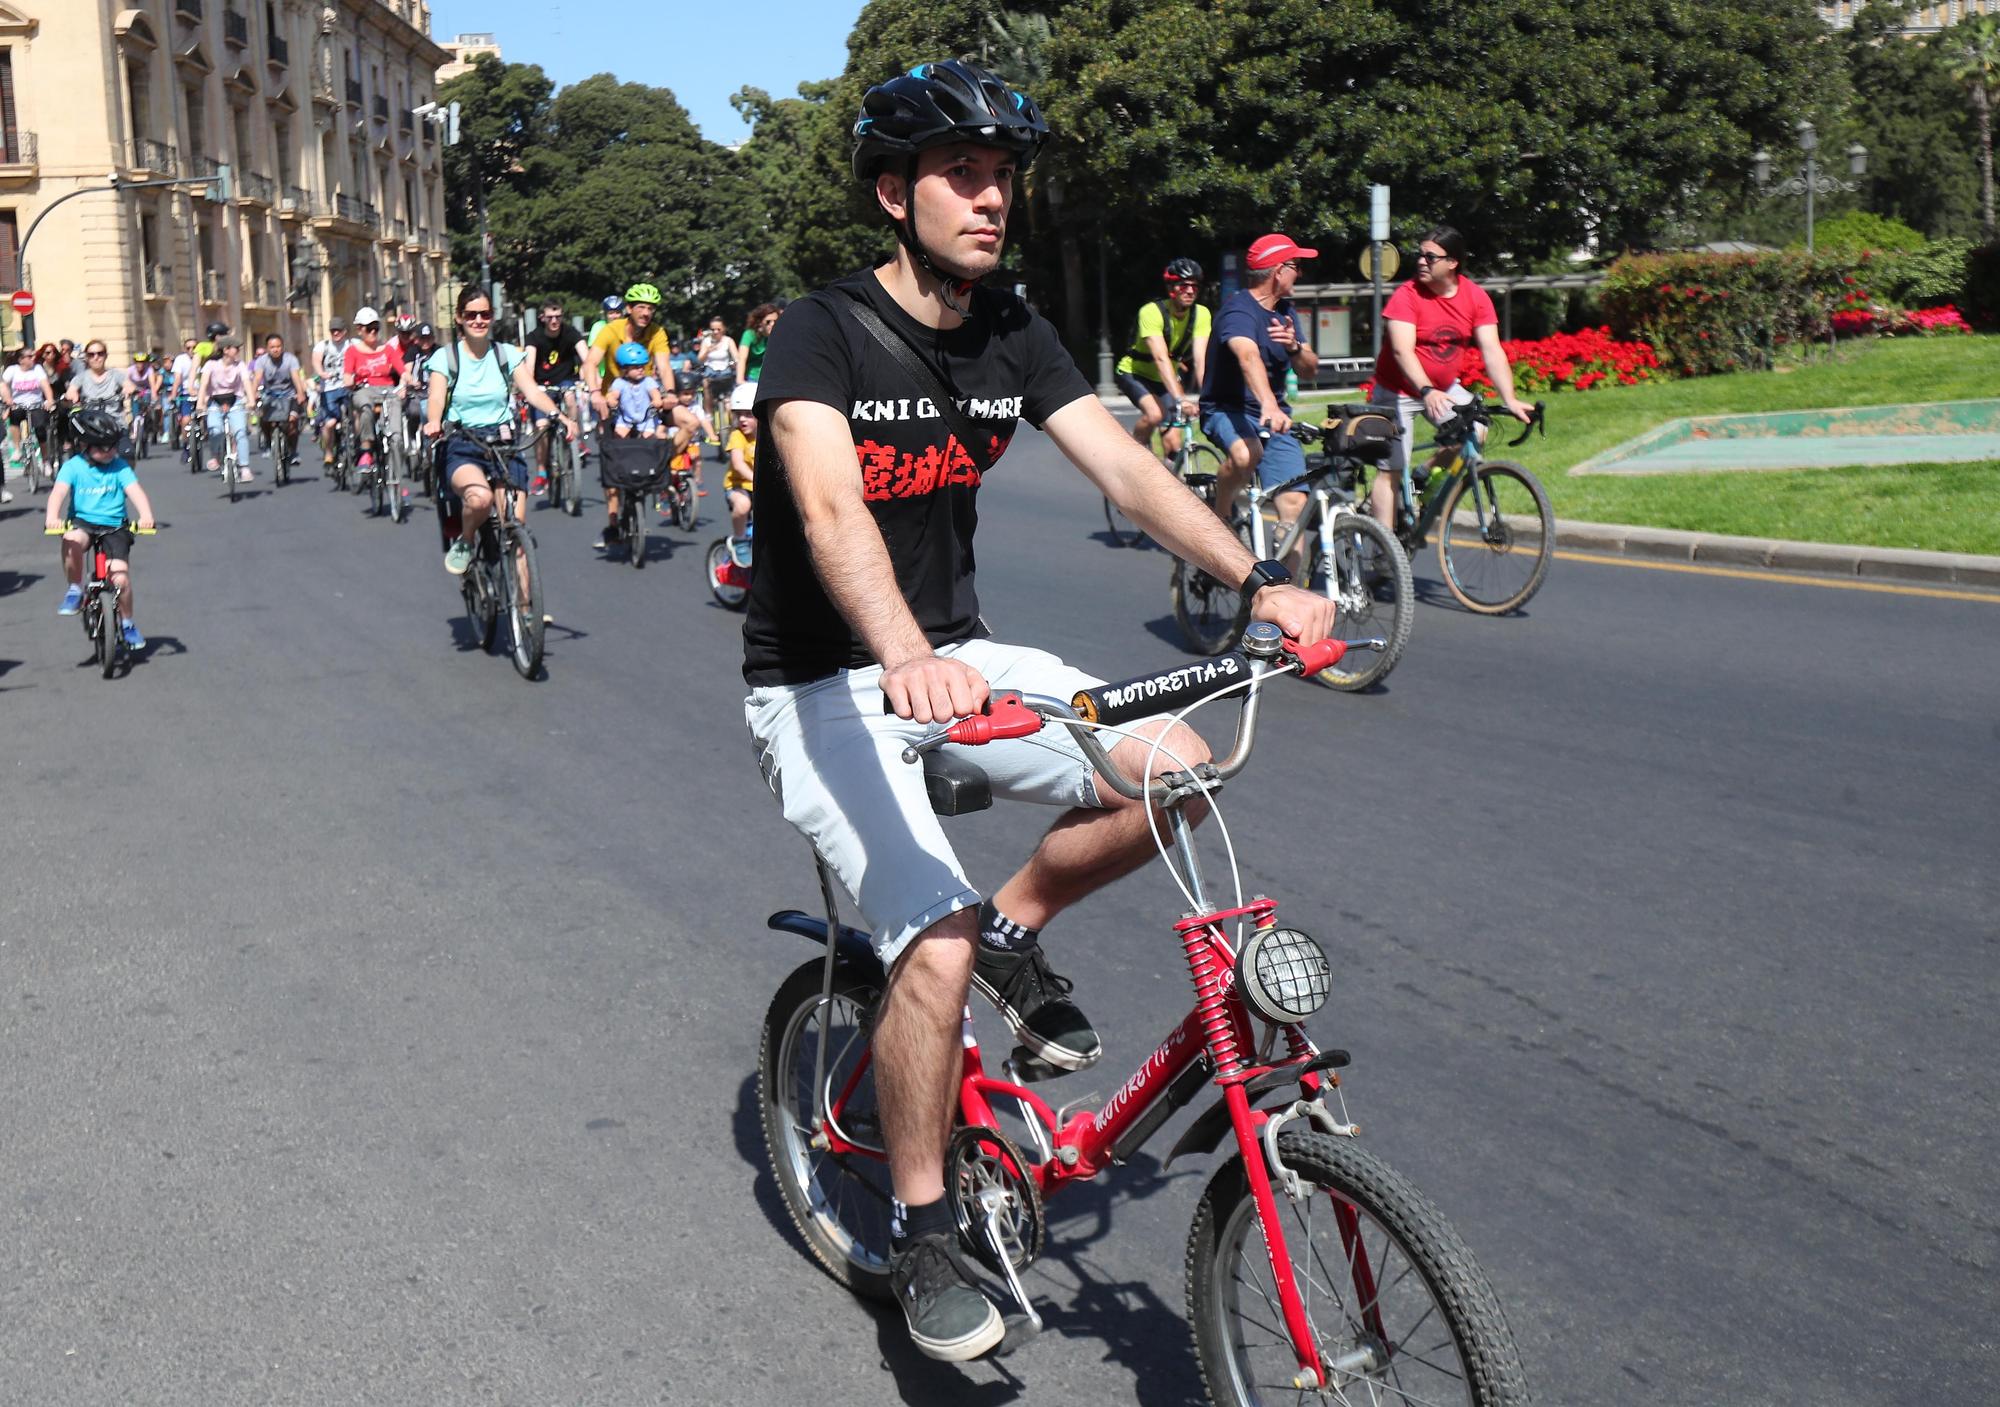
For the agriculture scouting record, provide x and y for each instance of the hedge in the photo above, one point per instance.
(1709, 313)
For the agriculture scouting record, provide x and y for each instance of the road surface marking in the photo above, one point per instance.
(1790, 578)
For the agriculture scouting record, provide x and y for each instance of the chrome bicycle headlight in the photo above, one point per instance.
(1284, 975)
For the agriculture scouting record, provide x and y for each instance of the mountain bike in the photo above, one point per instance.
(1314, 1271)
(101, 621)
(1194, 458)
(504, 581)
(1496, 531)
(728, 578)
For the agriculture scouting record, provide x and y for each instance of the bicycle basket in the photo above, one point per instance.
(1359, 432)
(632, 463)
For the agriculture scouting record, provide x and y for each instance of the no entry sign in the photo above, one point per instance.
(24, 302)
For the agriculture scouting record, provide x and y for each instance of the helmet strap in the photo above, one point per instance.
(954, 292)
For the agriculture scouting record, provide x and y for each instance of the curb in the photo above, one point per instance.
(1770, 554)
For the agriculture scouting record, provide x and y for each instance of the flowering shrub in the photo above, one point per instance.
(1892, 322)
(1568, 361)
(1708, 313)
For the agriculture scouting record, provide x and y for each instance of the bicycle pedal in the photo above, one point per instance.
(1027, 1068)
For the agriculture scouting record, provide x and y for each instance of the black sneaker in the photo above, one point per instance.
(1035, 1001)
(949, 1318)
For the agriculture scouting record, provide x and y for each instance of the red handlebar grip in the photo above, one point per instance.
(1005, 717)
(1313, 658)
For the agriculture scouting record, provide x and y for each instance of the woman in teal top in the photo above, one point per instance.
(480, 407)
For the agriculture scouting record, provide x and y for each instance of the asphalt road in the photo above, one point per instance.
(379, 1028)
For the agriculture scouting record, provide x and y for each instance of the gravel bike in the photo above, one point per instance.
(100, 597)
(504, 582)
(1193, 459)
(1496, 531)
(1314, 1271)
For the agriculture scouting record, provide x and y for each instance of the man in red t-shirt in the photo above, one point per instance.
(1430, 324)
(373, 371)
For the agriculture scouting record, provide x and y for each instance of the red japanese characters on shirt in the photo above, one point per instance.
(1445, 333)
(383, 366)
(889, 473)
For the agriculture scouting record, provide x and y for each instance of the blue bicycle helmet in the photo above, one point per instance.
(613, 305)
(631, 354)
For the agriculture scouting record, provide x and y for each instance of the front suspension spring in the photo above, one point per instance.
(1217, 1023)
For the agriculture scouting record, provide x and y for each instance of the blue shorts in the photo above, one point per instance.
(1283, 459)
(556, 391)
(330, 403)
(463, 449)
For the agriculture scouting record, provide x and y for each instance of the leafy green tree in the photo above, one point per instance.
(503, 116)
(1973, 50)
(1912, 116)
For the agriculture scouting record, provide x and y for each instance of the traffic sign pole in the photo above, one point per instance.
(1378, 234)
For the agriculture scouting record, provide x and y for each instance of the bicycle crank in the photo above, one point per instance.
(997, 1208)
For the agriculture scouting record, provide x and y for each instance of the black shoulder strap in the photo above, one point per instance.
(919, 369)
(1180, 344)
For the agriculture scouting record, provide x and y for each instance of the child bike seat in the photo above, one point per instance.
(957, 787)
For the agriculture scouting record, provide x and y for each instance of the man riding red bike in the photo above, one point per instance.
(885, 400)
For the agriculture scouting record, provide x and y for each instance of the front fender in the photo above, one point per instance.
(850, 943)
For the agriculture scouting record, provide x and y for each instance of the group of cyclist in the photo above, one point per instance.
(866, 501)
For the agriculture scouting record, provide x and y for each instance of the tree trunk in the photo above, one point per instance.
(1076, 303)
(1982, 107)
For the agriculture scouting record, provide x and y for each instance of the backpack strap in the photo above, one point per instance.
(920, 370)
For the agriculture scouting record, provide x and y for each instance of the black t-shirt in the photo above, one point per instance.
(555, 355)
(1005, 362)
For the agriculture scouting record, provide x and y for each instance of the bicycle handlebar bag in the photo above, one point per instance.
(632, 463)
(1360, 432)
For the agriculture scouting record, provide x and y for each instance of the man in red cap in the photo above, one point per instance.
(1257, 334)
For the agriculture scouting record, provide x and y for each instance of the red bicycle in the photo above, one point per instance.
(1315, 1271)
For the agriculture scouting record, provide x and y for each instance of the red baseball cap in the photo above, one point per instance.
(1273, 249)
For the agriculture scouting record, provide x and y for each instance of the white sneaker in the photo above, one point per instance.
(6, 497)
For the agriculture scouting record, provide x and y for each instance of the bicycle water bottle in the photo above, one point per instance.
(1291, 386)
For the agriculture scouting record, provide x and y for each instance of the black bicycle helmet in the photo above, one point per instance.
(94, 427)
(215, 330)
(1182, 271)
(943, 102)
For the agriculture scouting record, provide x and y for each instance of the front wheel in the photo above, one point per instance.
(632, 513)
(1495, 568)
(522, 608)
(106, 638)
(727, 582)
(1368, 580)
(839, 1202)
(1123, 531)
(1209, 612)
(1399, 1311)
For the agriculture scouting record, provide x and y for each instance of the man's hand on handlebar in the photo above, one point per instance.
(1520, 410)
(934, 689)
(1438, 407)
(1274, 419)
(1305, 616)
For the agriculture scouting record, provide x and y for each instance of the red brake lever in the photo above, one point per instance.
(1005, 717)
(1313, 658)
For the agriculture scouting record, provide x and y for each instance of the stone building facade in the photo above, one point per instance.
(338, 184)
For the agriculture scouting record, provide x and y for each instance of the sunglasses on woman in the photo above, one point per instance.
(477, 315)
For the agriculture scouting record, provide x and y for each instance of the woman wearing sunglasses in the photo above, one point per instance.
(1431, 322)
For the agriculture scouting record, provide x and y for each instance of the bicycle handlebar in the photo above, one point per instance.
(127, 527)
(1264, 653)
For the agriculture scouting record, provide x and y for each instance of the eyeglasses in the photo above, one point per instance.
(93, 356)
(368, 327)
(477, 315)
(1424, 256)
(551, 317)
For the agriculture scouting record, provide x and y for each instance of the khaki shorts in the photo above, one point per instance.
(834, 760)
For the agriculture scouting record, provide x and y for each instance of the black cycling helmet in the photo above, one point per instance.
(1182, 271)
(96, 428)
(943, 102)
(424, 332)
(215, 330)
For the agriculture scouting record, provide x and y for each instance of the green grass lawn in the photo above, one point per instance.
(1941, 507)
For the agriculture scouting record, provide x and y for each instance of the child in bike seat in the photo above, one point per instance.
(638, 395)
(96, 491)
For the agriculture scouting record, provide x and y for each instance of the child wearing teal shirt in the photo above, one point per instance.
(98, 489)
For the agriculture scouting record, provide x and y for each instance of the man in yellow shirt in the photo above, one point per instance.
(1169, 344)
(642, 307)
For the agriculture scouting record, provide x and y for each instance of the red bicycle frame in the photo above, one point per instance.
(1215, 1036)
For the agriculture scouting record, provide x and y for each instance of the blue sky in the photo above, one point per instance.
(704, 52)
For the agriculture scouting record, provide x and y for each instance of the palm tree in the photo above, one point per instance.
(1972, 48)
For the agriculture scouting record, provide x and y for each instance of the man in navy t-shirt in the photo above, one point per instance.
(1257, 333)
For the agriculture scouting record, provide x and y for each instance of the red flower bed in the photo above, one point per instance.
(1568, 361)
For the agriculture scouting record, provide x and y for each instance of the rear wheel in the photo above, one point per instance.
(684, 504)
(392, 475)
(522, 608)
(1399, 1311)
(723, 573)
(1368, 580)
(1496, 568)
(839, 1202)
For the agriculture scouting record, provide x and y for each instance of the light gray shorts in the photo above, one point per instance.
(834, 760)
(1406, 409)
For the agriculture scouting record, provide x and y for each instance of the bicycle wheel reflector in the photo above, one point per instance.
(1284, 974)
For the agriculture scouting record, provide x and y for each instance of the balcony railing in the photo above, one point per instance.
(348, 208)
(145, 154)
(200, 165)
(188, 10)
(405, 119)
(159, 281)
(280, 52)
(381, 107)
(252, 186)
(354, 91)
(19, 148)
(235, 29)
(213, 289)
(261, 292)
(297, 199)
(370, 216)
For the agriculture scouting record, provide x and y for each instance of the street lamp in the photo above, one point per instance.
(1808, 182)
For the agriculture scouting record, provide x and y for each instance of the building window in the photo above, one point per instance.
(10, 249)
